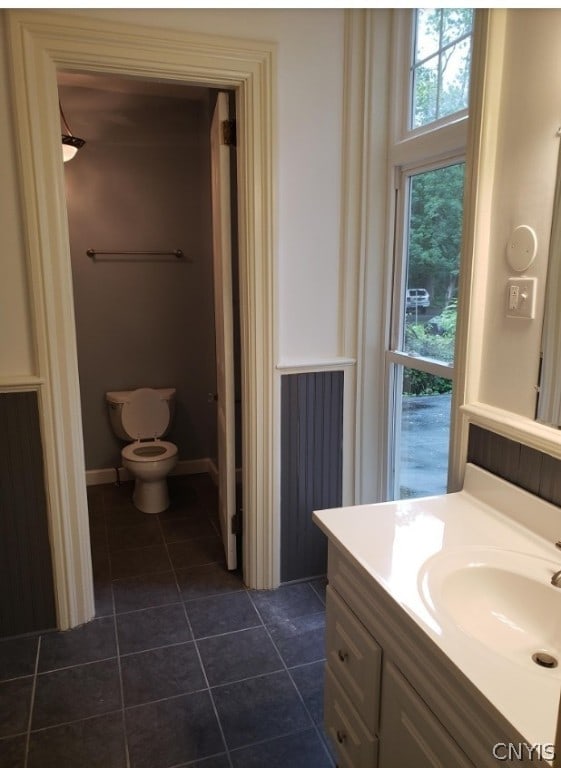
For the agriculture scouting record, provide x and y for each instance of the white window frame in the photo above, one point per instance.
(434, 140)
(410, 151)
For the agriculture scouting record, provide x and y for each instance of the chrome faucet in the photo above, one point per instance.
(556, 579)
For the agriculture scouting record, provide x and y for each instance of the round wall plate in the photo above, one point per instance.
(521, 248)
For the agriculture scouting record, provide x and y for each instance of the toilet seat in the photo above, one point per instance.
(149, 450)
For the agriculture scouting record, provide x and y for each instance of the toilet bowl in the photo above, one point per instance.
(144, 415)
(150, 463)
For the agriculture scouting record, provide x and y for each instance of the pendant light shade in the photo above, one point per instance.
(70, 143)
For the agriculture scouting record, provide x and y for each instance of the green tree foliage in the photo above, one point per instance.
(421, 383)
(435, 230)
(434, 339)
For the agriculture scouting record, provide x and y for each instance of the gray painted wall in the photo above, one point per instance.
(142, 182)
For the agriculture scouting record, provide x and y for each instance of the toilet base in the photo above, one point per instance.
(150, 497)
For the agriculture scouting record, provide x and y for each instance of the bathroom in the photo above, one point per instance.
(309, 262)
(138, 191)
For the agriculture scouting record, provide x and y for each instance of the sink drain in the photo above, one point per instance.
(543, 659)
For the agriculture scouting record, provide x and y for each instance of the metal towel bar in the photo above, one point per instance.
(177, 253)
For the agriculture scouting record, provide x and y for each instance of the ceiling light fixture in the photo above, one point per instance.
(70, 143)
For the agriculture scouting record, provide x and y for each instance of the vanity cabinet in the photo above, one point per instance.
(373, 716)
(428, 657)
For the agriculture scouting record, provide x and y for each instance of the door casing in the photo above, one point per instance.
(40, 44)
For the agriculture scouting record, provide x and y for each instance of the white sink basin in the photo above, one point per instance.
(501, 598)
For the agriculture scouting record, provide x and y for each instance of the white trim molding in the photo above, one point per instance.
(363, 264)
(20, 383)
(312, 366)
(40, 43)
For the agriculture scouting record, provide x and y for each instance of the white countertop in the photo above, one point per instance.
(394, 543)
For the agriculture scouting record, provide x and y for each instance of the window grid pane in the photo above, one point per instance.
(441, 64)
(454, 78)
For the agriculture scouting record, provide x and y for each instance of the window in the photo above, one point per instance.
(441, 63)
(428, 230)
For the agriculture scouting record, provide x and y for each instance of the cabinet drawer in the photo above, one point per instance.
(354, 745)
(355, 659)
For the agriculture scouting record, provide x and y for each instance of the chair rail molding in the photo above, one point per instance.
(40, 43)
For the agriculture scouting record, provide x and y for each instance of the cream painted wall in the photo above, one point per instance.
(309, 112)
(16, 348)
(309, 115)
(527, 149)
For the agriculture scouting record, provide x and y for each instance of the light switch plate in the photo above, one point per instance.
(521, 297)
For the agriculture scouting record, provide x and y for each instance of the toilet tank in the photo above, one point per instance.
(116, 399)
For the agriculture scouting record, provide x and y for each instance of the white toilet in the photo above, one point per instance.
(144, 416)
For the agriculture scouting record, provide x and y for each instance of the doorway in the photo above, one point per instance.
(38, 48)
(138, 198)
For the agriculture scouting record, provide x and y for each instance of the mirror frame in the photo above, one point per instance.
(549, 400)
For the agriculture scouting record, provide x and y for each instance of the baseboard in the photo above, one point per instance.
(185, 467)
(212, 470)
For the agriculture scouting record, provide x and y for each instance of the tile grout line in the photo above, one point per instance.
(274, 738)
(318, 728)
(227, 751)
(32, 704)
(117, 647)
(122, 690)
(209, 689)
(283, 666)
(287, 670)
(95, 716)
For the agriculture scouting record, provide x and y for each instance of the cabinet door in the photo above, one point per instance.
(410, 734)
(355, 659)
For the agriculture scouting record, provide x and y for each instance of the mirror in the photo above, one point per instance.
(549, 400)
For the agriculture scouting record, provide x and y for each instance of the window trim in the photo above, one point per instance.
(428, 147)
(425, 364)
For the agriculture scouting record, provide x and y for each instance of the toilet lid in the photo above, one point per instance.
(145, 414)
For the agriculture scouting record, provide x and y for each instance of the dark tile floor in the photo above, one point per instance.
(182, 666)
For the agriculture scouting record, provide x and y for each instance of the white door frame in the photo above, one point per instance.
(40, 43)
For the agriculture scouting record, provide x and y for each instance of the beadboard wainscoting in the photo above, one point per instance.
(526, 467)
(311, 466)
(27, 601)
